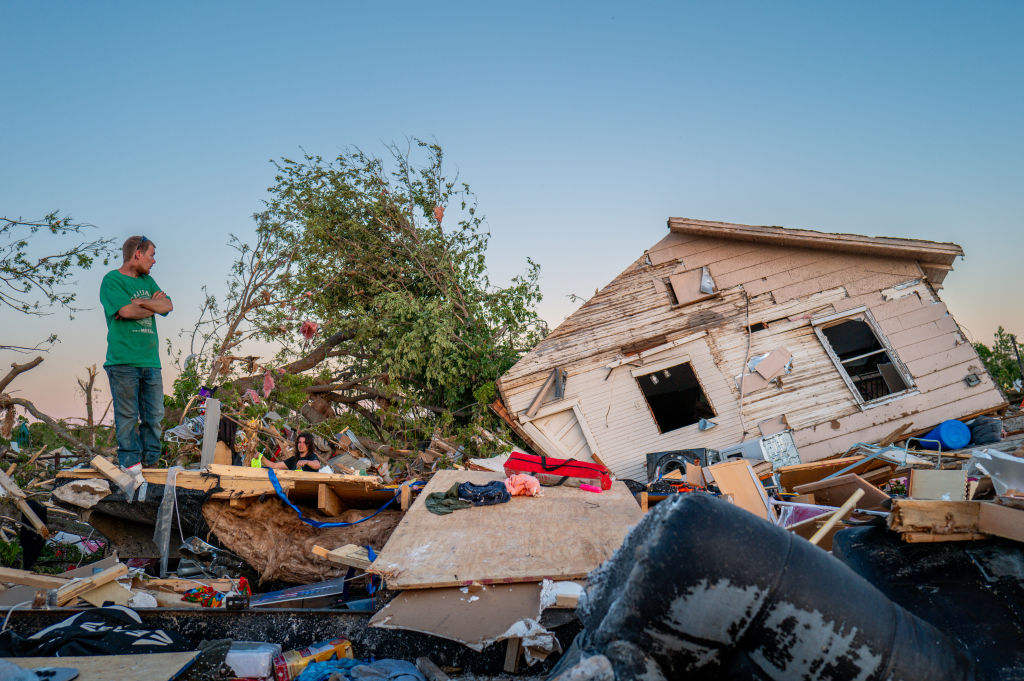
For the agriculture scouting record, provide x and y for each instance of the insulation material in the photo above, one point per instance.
(272, 539)
(82, 493)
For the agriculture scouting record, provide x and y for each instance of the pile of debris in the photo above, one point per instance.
(480, 567)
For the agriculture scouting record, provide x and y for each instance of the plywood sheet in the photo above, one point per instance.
(737, 479)
(563, 534)
(149, 667)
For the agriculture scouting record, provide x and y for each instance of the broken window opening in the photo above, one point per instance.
(757, 326)
(862, 354)
(673, 299)
(675, 397)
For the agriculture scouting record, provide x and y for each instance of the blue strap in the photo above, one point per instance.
(374, 582)
(316, 523)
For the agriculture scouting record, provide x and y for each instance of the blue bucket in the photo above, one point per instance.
(952, 434)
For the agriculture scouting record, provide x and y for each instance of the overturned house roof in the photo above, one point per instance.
(794, 342)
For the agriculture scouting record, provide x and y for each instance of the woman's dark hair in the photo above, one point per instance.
(310, 447)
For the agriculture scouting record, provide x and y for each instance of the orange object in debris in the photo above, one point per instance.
(522, 485)
(289, 665)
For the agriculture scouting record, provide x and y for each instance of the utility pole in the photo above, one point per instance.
(1016, 351)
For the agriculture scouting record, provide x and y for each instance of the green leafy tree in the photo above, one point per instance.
(371, 276)
(38, 259)
(1000, 359)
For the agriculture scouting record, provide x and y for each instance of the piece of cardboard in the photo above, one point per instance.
(945, 485)
(694, 475)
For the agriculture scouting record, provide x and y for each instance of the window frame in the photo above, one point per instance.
(862, 313)
(654, 368)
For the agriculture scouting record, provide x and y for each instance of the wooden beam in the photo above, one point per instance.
(211, 425)
(1001, 521)
(114, 474)
(539, 397)
(430, 671)
(934, 517)
(513, 651)
(327, 502)
(19, 500)
(73, 590)
(13, 576)
(406, 495)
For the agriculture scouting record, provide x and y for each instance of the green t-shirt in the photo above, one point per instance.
(129, 341)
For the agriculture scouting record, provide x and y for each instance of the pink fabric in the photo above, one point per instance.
(522, 485)
(439, 213)
(268, 383)
(309, 329)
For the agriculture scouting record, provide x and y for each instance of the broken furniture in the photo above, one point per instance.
(753, 602)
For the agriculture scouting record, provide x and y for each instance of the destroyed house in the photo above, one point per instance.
(784, 343)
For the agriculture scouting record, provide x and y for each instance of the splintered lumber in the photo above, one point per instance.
(111, 591)
(847, 506)
(942, 520)
(349, 554)
(803, 473)
(562, 535)
(73, 590)
(19, 499)
(114, 474)
(13, 576)
(835, 491)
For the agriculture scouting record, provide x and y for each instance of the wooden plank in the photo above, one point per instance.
(430, 671)
(947, 485)
(737, 478)
(73, 590)
(19, 500)
(406, 495)
(513, 651)
(934, 517)
(929, 538)
(847, 507)
(211, 425)
(149, 667)
(14, 576)
(349, 554)
(114, 474)
(327, 502)
(562, 535)
(1001, 521)
(835, 491)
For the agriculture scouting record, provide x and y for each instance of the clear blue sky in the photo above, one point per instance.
(582, 127)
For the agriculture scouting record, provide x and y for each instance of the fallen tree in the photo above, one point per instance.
(382, 312)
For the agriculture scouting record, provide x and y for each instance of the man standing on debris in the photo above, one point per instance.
(130, 300)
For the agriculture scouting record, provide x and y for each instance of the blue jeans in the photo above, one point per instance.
(138, 394)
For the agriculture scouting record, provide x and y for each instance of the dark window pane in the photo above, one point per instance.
(675, 397)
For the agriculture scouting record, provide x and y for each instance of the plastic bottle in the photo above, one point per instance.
(289, 665)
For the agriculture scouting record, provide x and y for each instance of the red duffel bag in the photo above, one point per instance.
(553, 472)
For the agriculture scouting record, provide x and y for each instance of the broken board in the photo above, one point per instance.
(148, 667)
(835, 491)
(563, 534)
(737, 479)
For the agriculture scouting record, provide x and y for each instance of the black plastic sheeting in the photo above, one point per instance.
(702, 589)
(973, 591)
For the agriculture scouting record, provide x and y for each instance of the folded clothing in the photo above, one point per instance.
(484, 495)
(443, 503)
